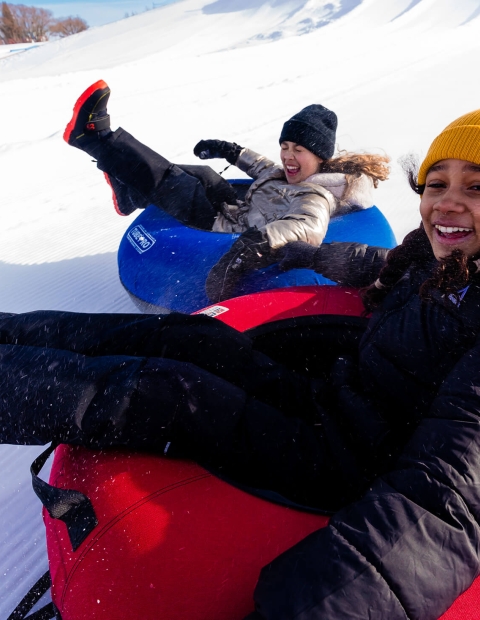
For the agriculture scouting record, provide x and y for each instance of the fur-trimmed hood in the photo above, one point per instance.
(349, 189)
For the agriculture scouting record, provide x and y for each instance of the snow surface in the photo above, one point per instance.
(395, 72)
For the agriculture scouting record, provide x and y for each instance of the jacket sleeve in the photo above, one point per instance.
(350, 264)
(254, 164)
(307, 219)
(411, 545)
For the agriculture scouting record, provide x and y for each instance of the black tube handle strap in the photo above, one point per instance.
(71, 507)
(30, 599)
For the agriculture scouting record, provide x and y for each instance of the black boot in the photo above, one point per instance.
(90, 120)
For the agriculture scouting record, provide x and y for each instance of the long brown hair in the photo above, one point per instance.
(375, 166)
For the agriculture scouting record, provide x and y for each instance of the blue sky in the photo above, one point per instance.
(94, 12)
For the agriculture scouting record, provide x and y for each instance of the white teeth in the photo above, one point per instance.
(451, 229)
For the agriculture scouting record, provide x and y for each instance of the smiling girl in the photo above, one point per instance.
(410, 546)
(288, 202)
(319, 186)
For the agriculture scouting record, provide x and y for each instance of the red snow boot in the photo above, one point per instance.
(89, 116)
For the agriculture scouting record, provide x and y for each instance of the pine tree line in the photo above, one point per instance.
(28, 24)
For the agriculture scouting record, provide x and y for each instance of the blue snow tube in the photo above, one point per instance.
(163, 264)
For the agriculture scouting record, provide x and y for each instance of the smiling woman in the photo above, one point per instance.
(450, 207)
(449, 181)
(289, 202)
(422, 345)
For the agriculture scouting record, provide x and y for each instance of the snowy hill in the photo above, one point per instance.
(395, 72)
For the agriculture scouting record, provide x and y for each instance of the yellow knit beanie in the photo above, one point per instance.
(460, 140)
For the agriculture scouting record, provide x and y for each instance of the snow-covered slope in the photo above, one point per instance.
(395, 72)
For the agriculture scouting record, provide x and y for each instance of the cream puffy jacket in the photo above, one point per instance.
(288, 212)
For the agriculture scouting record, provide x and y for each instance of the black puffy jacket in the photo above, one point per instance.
(411, 544)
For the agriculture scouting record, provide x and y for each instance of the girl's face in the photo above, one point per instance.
(298, 162)
(450, 207)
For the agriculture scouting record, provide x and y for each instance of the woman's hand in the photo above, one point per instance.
(297, 255)
(250, 251)
(213, 149)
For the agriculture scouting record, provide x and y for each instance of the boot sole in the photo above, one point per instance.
(114, 197)
(100, 85)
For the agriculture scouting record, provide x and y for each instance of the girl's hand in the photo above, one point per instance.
(296, 255)
(214, 149)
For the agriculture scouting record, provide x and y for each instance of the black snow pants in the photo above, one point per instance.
(140, 177)
(180, 385)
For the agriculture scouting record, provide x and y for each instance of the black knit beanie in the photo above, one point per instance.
(314, 128)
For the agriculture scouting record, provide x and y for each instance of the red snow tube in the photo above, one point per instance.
(174, 541)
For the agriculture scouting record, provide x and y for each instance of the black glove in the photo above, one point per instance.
(297, 255)
(250, 251)
(214, 149)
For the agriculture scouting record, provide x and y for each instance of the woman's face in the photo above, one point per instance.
(450, 207)
(298, 162)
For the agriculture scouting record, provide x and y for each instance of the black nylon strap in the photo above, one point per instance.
(98, 124)
(33, 595)
(71, 507)
(45, 613)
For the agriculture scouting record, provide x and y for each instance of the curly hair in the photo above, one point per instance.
(410, 166)
(375, 166)
(449, 275)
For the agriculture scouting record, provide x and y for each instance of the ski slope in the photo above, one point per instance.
(395, 72)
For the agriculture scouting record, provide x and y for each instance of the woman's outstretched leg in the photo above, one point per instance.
(138, 175)
(169, 408)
